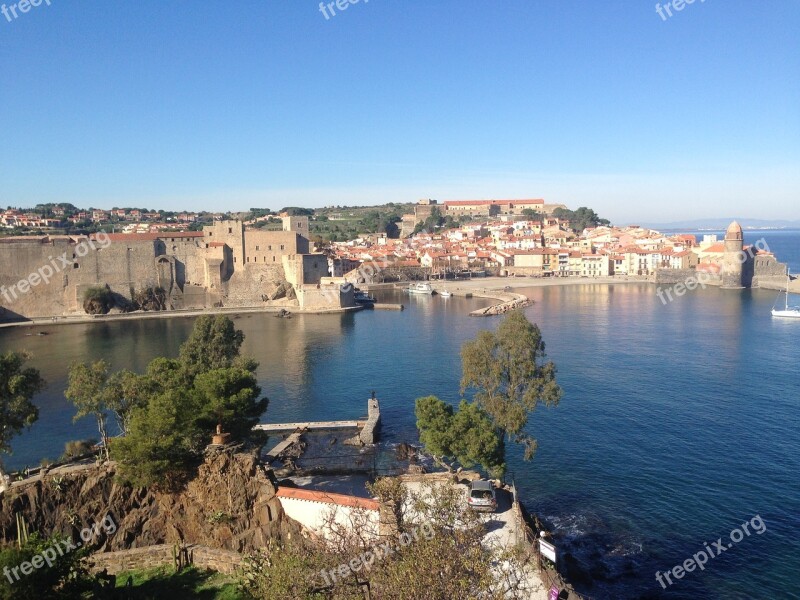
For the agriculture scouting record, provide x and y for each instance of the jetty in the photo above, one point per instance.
(367, 430)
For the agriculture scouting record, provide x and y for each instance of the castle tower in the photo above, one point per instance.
(732, 259)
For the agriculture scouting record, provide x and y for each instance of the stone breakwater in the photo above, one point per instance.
(509, 302)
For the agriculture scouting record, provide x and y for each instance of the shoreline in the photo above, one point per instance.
(482, 287)
(170, 314)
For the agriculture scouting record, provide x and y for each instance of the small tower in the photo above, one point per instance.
(733, 257)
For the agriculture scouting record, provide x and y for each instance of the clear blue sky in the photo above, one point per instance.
(228, 105)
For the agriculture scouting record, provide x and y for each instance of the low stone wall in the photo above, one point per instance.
(674, 276)
(151, 557)
(368, 433)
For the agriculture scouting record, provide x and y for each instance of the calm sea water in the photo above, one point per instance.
(678, 422)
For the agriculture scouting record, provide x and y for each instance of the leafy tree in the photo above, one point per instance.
(229, 398)
(78, 448)
(580, 219)
(213, 344)
(434, 422)
(164, 441)
(434, 221)
(124, 391)
(296, 211)
(64, 578)
(87, 390)
(531, 213)
(443, 557)
(18, 385)
(98, 300)
(505, 369)
(467, 434)
(169, 412)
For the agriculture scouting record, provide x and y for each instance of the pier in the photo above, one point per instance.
(367, 429)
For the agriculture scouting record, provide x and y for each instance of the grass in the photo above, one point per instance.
(164, 582)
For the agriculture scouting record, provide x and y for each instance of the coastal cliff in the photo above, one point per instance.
(230, 504)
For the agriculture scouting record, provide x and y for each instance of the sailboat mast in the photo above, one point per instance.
(788, 281)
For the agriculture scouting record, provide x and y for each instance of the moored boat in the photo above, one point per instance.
(361, 297)
(420, 288)
(788, 312)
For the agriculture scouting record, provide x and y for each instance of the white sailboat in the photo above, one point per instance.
(790, 312)
(445, 293)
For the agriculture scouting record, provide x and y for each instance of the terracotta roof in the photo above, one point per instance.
(492, 202)
(327, 497)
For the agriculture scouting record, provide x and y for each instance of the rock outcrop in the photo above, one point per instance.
(230, 504)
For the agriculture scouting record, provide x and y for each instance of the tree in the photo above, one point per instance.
(467, 434)
(229, 398)
(580, 219)
(531, 213)
(169, 412)
(98, 300)
(124, 391)
(213, 344)
(505, 369)
(63, 577)
(296, 211)
(440, 553)
(86, 389)
(18, 385)
(163, 443)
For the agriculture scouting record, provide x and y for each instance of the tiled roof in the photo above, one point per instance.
(327, 497)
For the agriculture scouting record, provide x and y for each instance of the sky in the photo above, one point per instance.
(189, 105)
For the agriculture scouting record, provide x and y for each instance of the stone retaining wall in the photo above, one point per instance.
(202, 557)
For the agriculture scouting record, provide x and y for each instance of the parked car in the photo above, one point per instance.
(482, 496)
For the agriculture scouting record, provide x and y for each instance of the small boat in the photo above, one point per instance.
(445, 294)
(363, 298)
(790, 312)
(420, 288)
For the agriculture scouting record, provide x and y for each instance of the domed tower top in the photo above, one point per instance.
(734, 232)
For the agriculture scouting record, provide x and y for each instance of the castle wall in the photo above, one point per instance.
(267, 247)
(325, 297)
(225, 266)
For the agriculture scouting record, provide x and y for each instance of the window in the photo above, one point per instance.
(281, 246)
(230, 229)
(256, 248)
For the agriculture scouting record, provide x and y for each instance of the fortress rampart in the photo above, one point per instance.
(224, 265)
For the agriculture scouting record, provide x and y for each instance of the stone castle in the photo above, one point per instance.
(225, 265)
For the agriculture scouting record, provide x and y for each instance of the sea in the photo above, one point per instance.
(679, 423)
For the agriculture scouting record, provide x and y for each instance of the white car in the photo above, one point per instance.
(482, 496)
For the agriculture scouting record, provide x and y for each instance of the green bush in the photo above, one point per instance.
(98, 300)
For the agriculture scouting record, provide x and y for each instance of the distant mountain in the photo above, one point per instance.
(723, 222)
